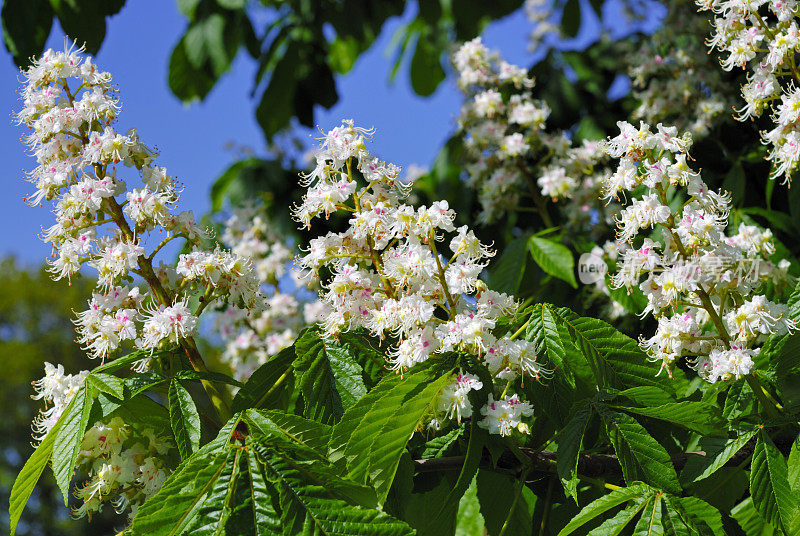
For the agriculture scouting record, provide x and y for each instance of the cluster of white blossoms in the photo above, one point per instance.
(71, 107)
(763, 36)
(56, 388)
(251, 339)
(125, 467)
(384, 273)
(510, 160)
(673, 78)
(701, 284)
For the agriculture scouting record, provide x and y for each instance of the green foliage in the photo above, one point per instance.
(554, 258)
(327, 376)
(372, 434)
(26, 24)
(255, 478)
(184, 419)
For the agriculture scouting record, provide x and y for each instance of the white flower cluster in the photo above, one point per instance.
(102, 224)
(673, 78)
(700, 284)
(56, 388)
(125, 467)
(509, 155)
(386, 274)
(764, 36)
(252, 338)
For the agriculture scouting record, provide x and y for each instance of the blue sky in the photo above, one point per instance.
(192, 138)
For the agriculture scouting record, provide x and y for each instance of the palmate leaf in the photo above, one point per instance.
(329, 378)
(255, 479)
(769, 486)
(751, 521)
(641, 456)
(179, 501)
(288, 427)
(495, 494)
(308, 506)
(373, 433)
(616, 359)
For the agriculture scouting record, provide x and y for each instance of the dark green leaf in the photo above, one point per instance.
(700, 417)
(769, 485)
(184, 419)
(606, 503)
(26, 25)
(426, 66)
(328, 377)
(570, 443)
(641, 456)
(262, 389)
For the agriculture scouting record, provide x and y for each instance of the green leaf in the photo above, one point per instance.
(751, 521)
(28, 477)
(613, 526)
(262, 389)
(255, 509)
(426, 66)
(442, 445)
(373, 433)
(718, 452)
(793, 466)
(739, 400)
(211, 516)
(309, 506)
(278, 424)
(184, 419)
(505, 275)
(106, 383)
(188, 491)
(698, 515)
(554, 258)
(606, 503)
(699, 417)
(477, 438)
(571, 18)
(616, 359)
(769, 485)
(495, 494)
(216, 377)
(641, 456)
(84, 22)
(650, 522)
(26, 25)
(69, 437)
(469, 519)
(328, 377)
(570, 444)
(185, 81)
